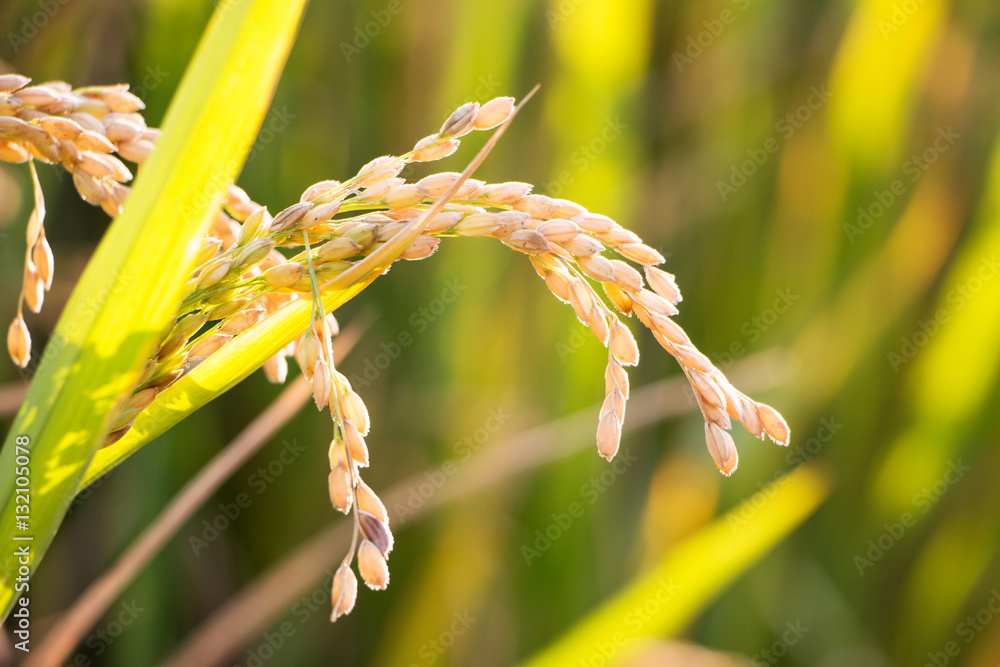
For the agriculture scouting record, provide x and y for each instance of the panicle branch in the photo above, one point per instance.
(252, 264)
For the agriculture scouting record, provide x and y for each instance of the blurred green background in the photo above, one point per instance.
(824, 179)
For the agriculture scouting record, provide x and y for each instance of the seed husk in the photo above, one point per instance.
(344, 592)
(19, 342)
(372, 566)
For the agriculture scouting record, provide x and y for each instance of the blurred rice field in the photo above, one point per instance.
(824, 180)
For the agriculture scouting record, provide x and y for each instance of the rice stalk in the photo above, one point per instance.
(346, 233)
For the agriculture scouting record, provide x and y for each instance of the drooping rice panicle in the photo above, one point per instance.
(252, 264)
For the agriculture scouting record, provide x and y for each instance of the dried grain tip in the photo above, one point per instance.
(584, 246)
(258, 224)
(749, 417)
(254, 253)
(41, 254)
(721, 447)
(13, 153)
(527, 241)
(435, 185)
(38, 96)
(19, 342)
(320, 189)
(504, 194)
(321, 384)
(214, 272)
(596, 267)
(559, 230)
(319, 214)
(618, 235)
(122, 100)
(559, 285)
(344, 593)
(290, 216)
(371, 503)
(654, 303)
(619, 299)
(773, 423)
(10, 82)
(209, 249)
(493, 113)
(33, 289)
(640, 253)
(403, 196)
(627, 277)
(307, 353)
(137, 150)
(537, 206)
(581, 298)
(60, 128)
(623, 346)
(372, 566)
(339, 483)
(90, 190)
(355, 410)
(461, 121)
(435, 151)
(276, 369)
(356, 443)
(598, 323)
(242, 321)
(94, 140)
(336, 249)
(207, 347)
(663, 284)
(691, 357)
(377, 170)
(123, 126)
(615, 377)
(609, 435)
(421, 247)
(377, 532)
(284, 275)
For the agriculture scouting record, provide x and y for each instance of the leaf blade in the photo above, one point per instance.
(130, 289)
(693, 573)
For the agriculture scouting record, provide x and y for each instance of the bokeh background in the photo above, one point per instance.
(824, 179)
